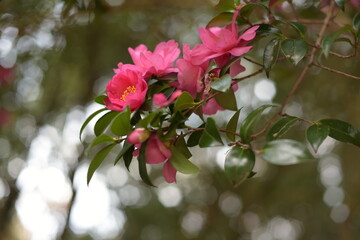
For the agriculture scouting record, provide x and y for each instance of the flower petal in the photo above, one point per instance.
(169, 172)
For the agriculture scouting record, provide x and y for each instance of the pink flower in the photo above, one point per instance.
(158, 63)
(137, 136)
(126, 88)
(160, 99)
(169, 172)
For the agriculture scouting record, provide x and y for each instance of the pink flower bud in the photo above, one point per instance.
(138, 136)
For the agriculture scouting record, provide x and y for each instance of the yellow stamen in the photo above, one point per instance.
(128, 90)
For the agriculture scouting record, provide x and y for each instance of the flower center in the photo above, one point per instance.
(128, 90)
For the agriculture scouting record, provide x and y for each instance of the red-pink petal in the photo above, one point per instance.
(236, 68)
(169, 172)
(240, 51)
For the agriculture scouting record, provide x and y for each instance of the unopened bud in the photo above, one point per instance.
(139, 135)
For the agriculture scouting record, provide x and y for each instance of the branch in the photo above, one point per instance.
(336, 71)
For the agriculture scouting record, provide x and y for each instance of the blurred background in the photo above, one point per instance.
(57, 55)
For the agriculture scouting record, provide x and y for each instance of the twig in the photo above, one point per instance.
(254, 62)
(336, 71)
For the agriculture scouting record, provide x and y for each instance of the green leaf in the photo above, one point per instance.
(126, 147)
(220, 20)
(195, 137)
(184, 101)
(89, 119)
(181, 163)
(356, 24)
(103, 138)
(267, 29)
(246, 10)
(228, 65)
(281, 127)
(300, 28)
(225, 5)
(182, 147)
(223, 84)
(316, 134)
(274, 3)
(128, 156)
(232, 125)
(227, 100)
(104, 122)
(329, 40)
(142, 165)
(246, 128)
(341, 4)
(210, 136)
(294, 50)
(100, 99)
(342, 131)
(285, 152)
(97, 160)
(150, 118)
(239, 163)
(271, 54)
(121, 124)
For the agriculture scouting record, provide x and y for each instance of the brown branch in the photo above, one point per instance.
(336, 71)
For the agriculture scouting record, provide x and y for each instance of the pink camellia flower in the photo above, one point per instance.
(138, 136)
(126, 88)
(160, 99)
(160, 62)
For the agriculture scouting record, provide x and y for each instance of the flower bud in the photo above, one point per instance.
(138, 136)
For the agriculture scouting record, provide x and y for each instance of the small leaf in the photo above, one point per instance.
(356, 24)
(182, 147)
(271, 54)
(121, 124)
(126, 147)
(210, 136)
(294, 50)
(89, 119)
(341, 4)
(232, 125)
(220, 20)
(104, 122)
(97, 160)
(225, 5)
(316, 134)
(227, 100)
(246, 10)
(135, 118)
(239, 163)
(267, 29)
(285, 152)
(281, 127)
(247, 125)
(223, 84)
(184, 101)
(100, 99)
(181, 163)
(145, 122)
(329, 40)
(142, 165)
(128, 156)
(342, 131)
(103, 138)
(300, 28)
(195, 137)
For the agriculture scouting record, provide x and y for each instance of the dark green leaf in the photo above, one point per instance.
(225, 5)
(145, 122)
(294, 50)
(181, 163)
(341, 4)
(285, 152)
(342, 131)
(104, 122)
(126, 147)
(246, 128)
(184, 101)
(135, 118)
(232, 125)
(316, 134)
(300, 28)
(128, 156)
(100, 99)
(194, 138)
(239, 163)
(227, 100)
(181, 146)
(271, 54)
(221, 19)
(89, 119)
(329, 40)
(281, 127)
(97, 160)
(142, 165)
(121, 124)
(210, 136)
(356, 24)
(267, 29)
(103, 138)
(223, 84)
(246, 10)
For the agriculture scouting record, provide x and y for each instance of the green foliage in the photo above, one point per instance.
(329, 40)
(294, 50)
(225, 5)
(210, 136)
(86, 122)
(227, 100)
(221, 19)
(341, 4)
(184, 101)
(103, 138)
(316, 134)
(281, 127)
(104, 122)
(181, 163)
(271, 54)
(142, 165)
(239, 164)
(121, 124)
(342, 131)
(300, 28)
(223, 84)
(232, 125)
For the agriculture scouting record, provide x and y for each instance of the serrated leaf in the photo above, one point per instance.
(232, 125)
(239, 163)
(223, 84)
(294, 50)
(221, 19)
(126, 147)
(271, 54)
(340, 4)
(285, 152)
(103, 138)
(281, 127)
(246, 128)
(181, 163)
(184, 101)
(316, 134)
(300, 28)
(227, 100)
(104, 122)
(89, 119)
(142, 165)
(210, 136)
(97, 160)
(342, 131)
(121, 124)
(100, 99)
